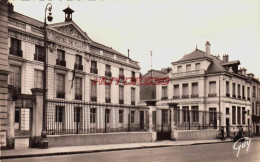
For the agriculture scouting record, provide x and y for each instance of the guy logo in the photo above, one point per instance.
(241, 146)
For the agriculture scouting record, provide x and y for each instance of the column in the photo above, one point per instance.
(151, 105)
(172, 107)
(10, 133)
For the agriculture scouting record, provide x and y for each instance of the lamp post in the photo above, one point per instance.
(49, 8)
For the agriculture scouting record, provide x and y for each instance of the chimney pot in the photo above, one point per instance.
(207, 48)
(225, 58)
(10, 7)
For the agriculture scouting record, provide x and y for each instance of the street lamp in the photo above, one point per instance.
(49, 17)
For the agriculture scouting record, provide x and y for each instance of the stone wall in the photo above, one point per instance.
(186, 135)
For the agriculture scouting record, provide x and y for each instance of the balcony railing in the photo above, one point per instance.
(234, 96)
(238, 96)
(132, 102)
(94, 70)
(227, 94)
(164, 98)
(108, 73)
(121, 101)
(185, 96)
(15, 52)
(248, 98)
(243, 97)
(38, 57)
(194, 95)
(60, 94)
(176, 97)
(212, 95)
(61, 62)
(79, 66)
(78, 97)
(108, 100)
(93, 99)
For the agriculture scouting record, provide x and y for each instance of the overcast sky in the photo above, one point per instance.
(169, 28)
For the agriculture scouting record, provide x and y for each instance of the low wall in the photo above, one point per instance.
(98, 139)
(184, 135)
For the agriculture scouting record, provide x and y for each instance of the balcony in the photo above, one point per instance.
(238, 96)
(108, 73)
(132, 102)
(38, 57)
(94, 70)
(185, 96)
(243, 97)
(248, 98)
(234, 96)
(108, 100)
(15, 52)
(79, 66)
(78, 97)
(93, 98)
(60, 94)
(212, 95)
(121, 101)
(176, 97)
(61, 62)
(189, 73)
(227, 95)
(194, 95)
(164, 98)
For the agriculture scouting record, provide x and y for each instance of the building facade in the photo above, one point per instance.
(77, 99)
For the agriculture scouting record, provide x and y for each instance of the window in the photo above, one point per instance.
(177, 115)
(93, 115)
(254, 91)
(233, 114)
(60, 58)
(78, 63)
(15, 48)
(186, 114)
(188, 67)
(77, 114)
(132, 116)
(176, 90)
(165, 116)
(107, 115)
(185, 90)
(17, 115)
(243, 115)
(121, 94)
(133, 76)
(195, 89)
(243, 92)
(253, 108)
(179, 69)
(121, 72)
(133, 96)
(238, 115)
(238, 91)
(213, 117)
(195, 113)
(38, 79)
(227, 110)
(212, 87)
(121, 116)
(39, 53)
(108, 71)
(234, 89)
(78, 88)
(59, 114)
(93, 68)
(15, 77)
(60, 86)
(164, 93)
(227, 89)
(108, 93)
(93, 90)
(248, 93)
(197, 66)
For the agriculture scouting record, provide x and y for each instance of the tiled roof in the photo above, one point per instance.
(196, 54)
(25, 19)
(216, 66)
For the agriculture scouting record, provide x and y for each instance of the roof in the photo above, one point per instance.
(25, 19)
(196, 54)
(216, 66)
(231, 62)
(156, 73)
(68, 10)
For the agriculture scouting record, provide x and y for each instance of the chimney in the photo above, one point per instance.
(242, 71)
(251, 75)
(10, 7)
(207, 48)
(128, 52)
(225, 58)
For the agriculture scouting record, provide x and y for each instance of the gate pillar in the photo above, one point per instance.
(10, 133)
(151, 104)
(172, 106)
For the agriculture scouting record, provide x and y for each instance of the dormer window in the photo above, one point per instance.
(188, 67)
(179, 69)
(197, 66)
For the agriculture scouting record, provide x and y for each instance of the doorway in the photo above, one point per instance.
(227, 127)
(141, 120)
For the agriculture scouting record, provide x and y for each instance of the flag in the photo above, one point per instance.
(73, 77)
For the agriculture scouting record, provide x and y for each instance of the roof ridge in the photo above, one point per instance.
(27, 17)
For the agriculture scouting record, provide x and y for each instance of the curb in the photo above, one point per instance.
(104, 150)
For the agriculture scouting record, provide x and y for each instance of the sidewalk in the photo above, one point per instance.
(22, 150)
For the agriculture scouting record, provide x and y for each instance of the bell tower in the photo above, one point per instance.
(68, 13)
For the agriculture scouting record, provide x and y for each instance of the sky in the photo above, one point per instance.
(168, 28)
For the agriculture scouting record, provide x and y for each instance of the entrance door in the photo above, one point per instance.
(227, 126)
(141, 120)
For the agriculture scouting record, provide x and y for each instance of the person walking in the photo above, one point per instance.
(222, 133)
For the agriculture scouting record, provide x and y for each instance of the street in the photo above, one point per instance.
(204, 152)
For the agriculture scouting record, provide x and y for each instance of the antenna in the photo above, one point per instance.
(151, 60)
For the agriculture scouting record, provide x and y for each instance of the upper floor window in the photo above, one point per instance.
(248, 93)
(78, 88)
(185, 90)
(179, 69)
(234, 89)
(78, 62)
(227, 89)
(14, 77)
(121, 94)
(93, 91)
(133, 76)
(197, 66)
(61, 58)
(239, 91)
(164, 93)
(93, 68)
(108, 93)
(195, 89)
(132, 96)
(212, 89)
(38, 79)
(39, 53)
(60, 86)
(108, 71)
(254, 91)
(243, 92)
(188, 67)
(15, 48)
(176, 90)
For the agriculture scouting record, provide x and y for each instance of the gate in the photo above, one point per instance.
(164, 128)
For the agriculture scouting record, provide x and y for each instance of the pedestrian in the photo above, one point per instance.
(222, 133)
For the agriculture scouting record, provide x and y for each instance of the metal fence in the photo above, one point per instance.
(80, 117)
